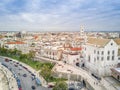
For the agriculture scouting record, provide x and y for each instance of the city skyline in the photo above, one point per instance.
(59, 15)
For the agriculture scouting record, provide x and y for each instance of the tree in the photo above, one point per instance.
(46, 72)
(61, 85)
(23, 56)
(31, 54)
(14, 51)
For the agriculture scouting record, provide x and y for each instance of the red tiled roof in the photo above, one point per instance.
(35, 37)
(75, 49)
(16, 42)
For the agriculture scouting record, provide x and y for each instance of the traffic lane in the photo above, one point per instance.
(27, 79)
(26, 82)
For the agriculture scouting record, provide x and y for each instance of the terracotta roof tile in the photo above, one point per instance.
(117, 40)
(75, 49)
(98, 41)
(16, 42)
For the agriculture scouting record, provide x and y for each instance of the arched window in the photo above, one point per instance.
(111, 44)
(108, 52)
(108, 57)
(113, 52)
(89, 58)
(118, 77)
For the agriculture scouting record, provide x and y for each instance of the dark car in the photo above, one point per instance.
(50, 86)
(24, 75)
(15, 65)
(33, 87)
(25, 68)
(29, 71)
(20, 64)
(32, 74)
(71, 88)
(10, 60)
(6, 59)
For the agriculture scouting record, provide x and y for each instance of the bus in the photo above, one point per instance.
(38, 82)
(19, 84)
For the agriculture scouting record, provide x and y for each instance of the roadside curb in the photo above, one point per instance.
(43, 82)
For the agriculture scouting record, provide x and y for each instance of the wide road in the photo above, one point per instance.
(19, 70)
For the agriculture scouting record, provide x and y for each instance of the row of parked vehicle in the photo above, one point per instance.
(14, 74)
(18, 81)
(38, 82)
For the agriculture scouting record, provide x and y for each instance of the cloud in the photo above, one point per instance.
(59, 14)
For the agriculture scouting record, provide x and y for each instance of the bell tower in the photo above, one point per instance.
(83, 34)
(81, 31)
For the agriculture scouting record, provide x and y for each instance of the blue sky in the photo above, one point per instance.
(59, 15)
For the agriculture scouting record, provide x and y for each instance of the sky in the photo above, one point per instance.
(59, 15)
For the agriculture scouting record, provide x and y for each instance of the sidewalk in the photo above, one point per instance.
(12, 84)
(1, 81)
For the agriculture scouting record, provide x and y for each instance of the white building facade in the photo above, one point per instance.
(100, 56)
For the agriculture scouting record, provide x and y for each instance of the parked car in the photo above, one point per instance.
(6, 59)
(10, 60)
(32, 74)
(50, 86)
(71, 88)
(24, 75)
(15, 65)
(33, 87)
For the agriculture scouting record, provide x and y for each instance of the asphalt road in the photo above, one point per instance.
(26, 82)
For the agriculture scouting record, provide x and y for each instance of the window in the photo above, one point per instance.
(108, 58)
(89, 58)
(94, 59)
(112, 57)
(98, 52)
(97, 58)
(108, 52)
(102, 52)
(77, 59)
(113, 52)
(111, 44)
(102, 58)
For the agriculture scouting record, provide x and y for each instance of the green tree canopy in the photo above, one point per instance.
(61, 85)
